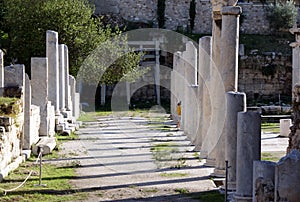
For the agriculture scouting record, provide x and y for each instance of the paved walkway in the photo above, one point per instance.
(128, 159)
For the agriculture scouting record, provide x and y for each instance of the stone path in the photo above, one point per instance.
(128, 159)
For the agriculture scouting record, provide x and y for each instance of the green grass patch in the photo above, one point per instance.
(270, 127)
(209, 196)
(181, 190)
(56, 179)
(173, 175)
(272, 156)
(87, 117)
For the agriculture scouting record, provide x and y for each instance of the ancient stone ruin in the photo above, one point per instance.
(48, 103)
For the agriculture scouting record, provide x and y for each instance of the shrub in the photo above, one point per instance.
(282, 16)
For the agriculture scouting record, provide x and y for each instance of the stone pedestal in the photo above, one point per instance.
(263, 181)
(285, 125)
(236, 102)
(53, 68)
(228, 66)
(72, 93)
(248, 150)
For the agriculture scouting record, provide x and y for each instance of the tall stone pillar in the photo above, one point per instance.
(26, 130)
(236, 102)
(204, 68)
(248, 150)
(53, 68)
(67, 84)
(296, 56)
(61, 51)
(157, 72)
(190, 64)
(228, 69)
(39, 89)
(1, 72)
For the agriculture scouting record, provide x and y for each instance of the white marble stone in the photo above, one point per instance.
(67, 84)
(53, 68)
(62, 101)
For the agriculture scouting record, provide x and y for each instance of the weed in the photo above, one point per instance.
(173, 175)
(182, 190)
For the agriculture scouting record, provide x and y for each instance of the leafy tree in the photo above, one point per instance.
(282, 15)
(28, 20)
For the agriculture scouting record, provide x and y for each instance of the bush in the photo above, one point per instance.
(282, 16)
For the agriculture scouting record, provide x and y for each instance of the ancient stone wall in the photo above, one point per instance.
(262, 77)
(253, 18)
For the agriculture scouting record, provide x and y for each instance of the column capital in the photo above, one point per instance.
(231, 10)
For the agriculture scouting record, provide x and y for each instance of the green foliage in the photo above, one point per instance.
(77, 27)
(282, 15)
(9, 106)
(192, 12)
(161, 7)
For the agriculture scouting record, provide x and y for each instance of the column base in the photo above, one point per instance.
(210, 162)
(218, 173)
(231, 186)
(238, 198)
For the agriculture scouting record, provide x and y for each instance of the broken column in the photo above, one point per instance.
(53, 68)
(287, 178)
(39, 88)
(248, 150)
(228, 68)
(72, 82)
(30, 130)
(236, 102)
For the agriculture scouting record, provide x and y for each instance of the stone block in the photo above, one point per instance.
(285, 125)
(47, 143)
(287, 178)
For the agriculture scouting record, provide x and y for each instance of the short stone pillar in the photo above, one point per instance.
(236, 102)
(285, 125)
(53, 68)
(228, 68)
(248, 150)
(287, 178)
(263, 181)
(72, 82)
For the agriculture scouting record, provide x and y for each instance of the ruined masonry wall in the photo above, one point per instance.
(253, 17)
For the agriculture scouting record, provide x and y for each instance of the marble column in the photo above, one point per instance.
(67, 84)
(26, 130)
(204, 68)
(72, 93)
(61, 51)
(228, 69)
(236, 102)
(248, 150)
(1, 72)
(296, 56)
(157, 72)
(190, 63)
(39, 89)
(53, 68)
